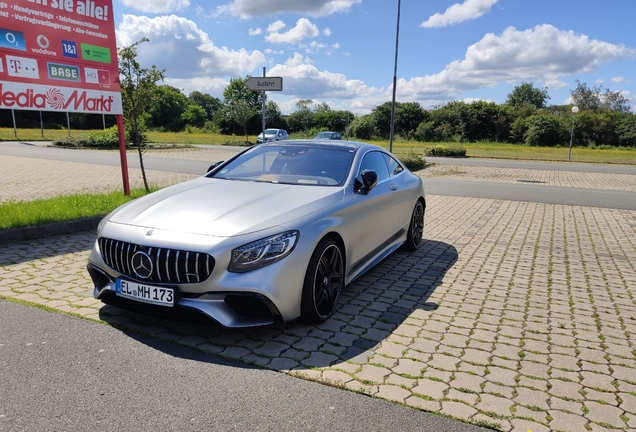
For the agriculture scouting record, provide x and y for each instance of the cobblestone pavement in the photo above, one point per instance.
(26, 179)
(519, 315)
(604, 181)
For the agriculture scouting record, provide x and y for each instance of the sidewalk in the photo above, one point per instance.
(511, 314)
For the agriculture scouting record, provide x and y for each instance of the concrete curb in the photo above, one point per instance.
(49, 230)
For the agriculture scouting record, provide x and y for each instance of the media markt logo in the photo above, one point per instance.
(63, 72)
(95, 53)
(78, 100)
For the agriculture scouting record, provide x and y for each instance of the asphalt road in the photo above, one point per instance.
(61, 373)
(490, 190)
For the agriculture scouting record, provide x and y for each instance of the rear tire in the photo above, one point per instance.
(323, 283)
(416, 228)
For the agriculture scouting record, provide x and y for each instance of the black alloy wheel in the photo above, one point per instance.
(324, 282)
(416, 228)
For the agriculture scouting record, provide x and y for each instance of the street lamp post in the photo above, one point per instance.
(575, 109)
(397, 40)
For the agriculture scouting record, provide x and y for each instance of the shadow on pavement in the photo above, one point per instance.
(371, 309)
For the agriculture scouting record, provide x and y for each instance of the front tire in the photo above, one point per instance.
(416, 228)
(323, 283)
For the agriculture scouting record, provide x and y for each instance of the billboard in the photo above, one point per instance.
(59, 55)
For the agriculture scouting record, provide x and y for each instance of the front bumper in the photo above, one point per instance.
(269, 295)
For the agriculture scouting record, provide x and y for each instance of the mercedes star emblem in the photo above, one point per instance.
(142, 265)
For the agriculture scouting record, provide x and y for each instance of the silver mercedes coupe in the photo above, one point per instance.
(273, 234)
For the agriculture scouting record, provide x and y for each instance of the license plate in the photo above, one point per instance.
(145, 293)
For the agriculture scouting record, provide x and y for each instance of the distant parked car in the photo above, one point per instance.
(273, 135)
(329, 135)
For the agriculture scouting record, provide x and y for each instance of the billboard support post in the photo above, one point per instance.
(41, 125)
(68, 123)
(122, 154)
(15, 129)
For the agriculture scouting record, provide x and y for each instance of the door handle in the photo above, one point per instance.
(393, 186)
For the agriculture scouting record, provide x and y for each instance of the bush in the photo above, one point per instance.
(545, 130)
(413, 161)
(443, 150)
(104, 139)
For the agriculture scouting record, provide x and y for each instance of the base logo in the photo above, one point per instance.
(63, 72)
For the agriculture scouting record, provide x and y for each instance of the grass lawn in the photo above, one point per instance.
(400, 147)
(63, 208)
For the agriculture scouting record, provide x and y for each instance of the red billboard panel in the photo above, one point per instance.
(59, 55)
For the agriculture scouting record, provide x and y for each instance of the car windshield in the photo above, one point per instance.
(302, 164)
(271, 131)
(325, 135)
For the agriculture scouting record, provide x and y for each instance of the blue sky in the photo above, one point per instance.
(342, 51)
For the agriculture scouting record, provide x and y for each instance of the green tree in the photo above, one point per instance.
(382, 118)
(274, 117)
(167, 106)
(526, 93)
(586, 98)
(240, 107)
(545, 130)
(137, 89)
(208, 102)
(363, 127)
(194, 115)
(408, 117)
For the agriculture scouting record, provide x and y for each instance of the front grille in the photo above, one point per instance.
(168, 265)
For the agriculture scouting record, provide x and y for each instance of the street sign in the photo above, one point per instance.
(265, 83)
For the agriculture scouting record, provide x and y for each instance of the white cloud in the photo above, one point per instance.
(213, 86)
(555, 84)
(327, 32)
(600, 81)
(275, 27)
(542, 54)
(256, 31)
(271, 51)
(157, 6)
(459, 12)
(253, 8)
(186, 52)
(304, 29)
(335, 46)
(618, 79)
(303, 80)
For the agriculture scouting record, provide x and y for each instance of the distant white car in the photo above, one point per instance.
(273, 135)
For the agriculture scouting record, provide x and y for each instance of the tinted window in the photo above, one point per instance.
(393, 165)
(374, 161)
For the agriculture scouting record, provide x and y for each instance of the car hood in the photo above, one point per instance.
(225, 208)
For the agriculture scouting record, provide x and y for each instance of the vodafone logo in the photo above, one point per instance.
(56, 100)
(43, 41)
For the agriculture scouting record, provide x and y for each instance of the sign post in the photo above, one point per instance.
(264, 84)
(59, 55)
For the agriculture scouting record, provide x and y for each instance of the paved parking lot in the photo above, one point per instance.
(519, 315)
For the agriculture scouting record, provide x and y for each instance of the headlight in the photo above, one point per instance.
(263, 252)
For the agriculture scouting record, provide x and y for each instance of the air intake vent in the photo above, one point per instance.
(156, 265)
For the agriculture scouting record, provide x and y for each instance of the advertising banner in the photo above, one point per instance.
(59, 55)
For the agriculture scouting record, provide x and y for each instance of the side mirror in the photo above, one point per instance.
(214, 165)
(369, 181)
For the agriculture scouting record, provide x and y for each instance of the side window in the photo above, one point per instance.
(394, 166)
(374, 161)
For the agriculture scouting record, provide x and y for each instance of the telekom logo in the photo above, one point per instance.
(14, 65)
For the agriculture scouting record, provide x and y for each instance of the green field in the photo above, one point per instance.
(400, 147)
